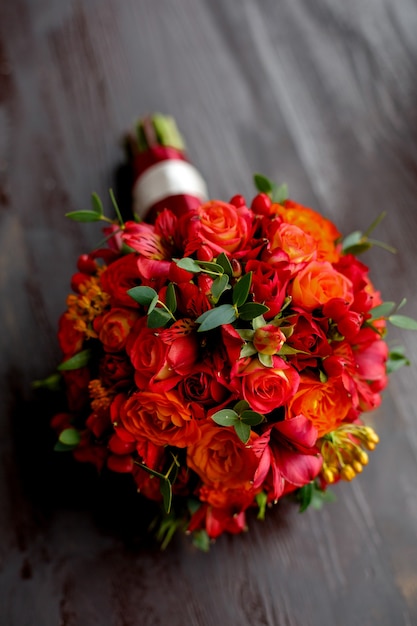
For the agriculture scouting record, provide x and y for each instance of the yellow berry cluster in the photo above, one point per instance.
(344, 451)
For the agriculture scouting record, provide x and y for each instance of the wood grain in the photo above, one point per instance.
(319, 94)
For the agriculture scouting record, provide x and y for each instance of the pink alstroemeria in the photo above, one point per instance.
(287, 450)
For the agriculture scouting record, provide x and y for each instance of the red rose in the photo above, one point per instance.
(158, 363)
(116, 371)
(309, 336)
(118, 277)
(148, 355)
(202, 387)
(266, 388)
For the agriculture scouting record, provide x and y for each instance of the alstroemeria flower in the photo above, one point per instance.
(287, 452)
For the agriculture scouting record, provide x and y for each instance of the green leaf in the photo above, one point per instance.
(170, 298)
(320, 496)
(219, 286)
(265, 359)
(158, 318)
(261, 500)
(189, 264)
(375, 223)
(247, 350)
(353, 239)
(97, 204)
(223, 314)
(116, 207)
(305, 496)
(77, 361)
(83, 216)
(149, 470)
(262, 183)
(279, 193)
(224, 262)
(225, 417)
(241, 289)
(251, 310)
(252, 418)
(166, 491)
(259, 321)
(52, 382)
(211, 267)
(402, 303)
(382, 310)
(359, 248)
(396, 359)
(152, 304)
(243, 431)
(288, 350)
(201, 540)
(382, 244)
(312, 495)
(61, 447)
(241, 406)
(69, 437)
(403, 321)
(142, 295)
(247, 334)
(323, 376)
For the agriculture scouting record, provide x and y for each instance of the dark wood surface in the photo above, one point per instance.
(319, 94)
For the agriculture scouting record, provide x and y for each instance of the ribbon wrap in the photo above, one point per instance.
(171, 183)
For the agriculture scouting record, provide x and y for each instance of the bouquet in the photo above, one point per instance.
(221, 353)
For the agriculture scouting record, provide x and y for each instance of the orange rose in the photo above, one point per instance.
(114, 327)
(220, 226)
(220, 457)
(326, 405)
(318, 283)
(298, 244)
(323, 231)
(159, 417)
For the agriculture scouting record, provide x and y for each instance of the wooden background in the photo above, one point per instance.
(320, 94)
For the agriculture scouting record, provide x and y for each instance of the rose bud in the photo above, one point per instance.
(238, 201)
(261, 204)
(86, 264)
(120, 447)
(268, 339)
(350, 324)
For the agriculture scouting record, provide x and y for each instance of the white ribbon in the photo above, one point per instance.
(167, 178)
